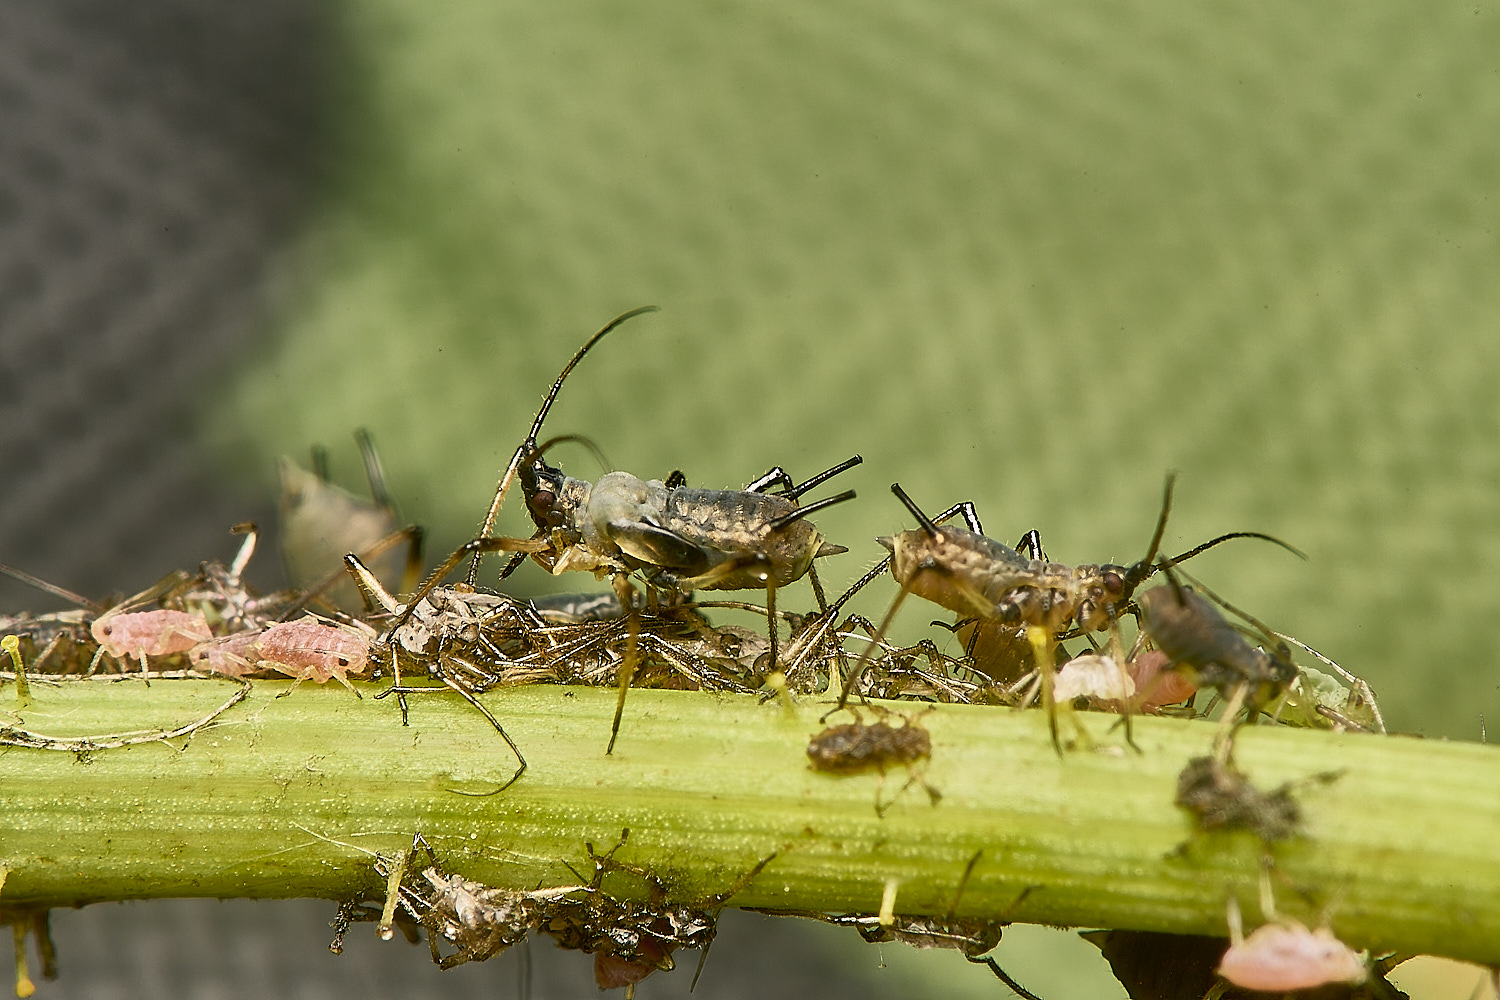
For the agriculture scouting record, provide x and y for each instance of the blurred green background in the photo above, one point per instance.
(1029, 255)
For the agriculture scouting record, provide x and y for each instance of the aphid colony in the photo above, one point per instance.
(629, 938)
(659, 543)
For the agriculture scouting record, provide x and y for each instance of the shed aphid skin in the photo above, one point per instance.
(1221, 798)
(971, 574)
(436, 630)
(321, 521)
(629, 938)
(676, 538)
(973, 937)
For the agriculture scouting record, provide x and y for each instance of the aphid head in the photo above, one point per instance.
(552, 498)
(542, 484)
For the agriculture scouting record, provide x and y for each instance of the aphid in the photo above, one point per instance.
(1201, 642)
(1156, 686)
(677, 538)
(127, 634)
(629, 939)
(143, 634)
(856, 747)
(1332, 704)
(320, 522)
(972, 574)
(312, 649)
(1281, 956)
(309, 648)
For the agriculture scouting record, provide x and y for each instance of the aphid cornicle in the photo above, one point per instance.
(675, 537)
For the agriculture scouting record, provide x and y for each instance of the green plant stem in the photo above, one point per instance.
(286, 797)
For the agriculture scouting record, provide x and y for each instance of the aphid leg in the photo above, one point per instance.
(1127, 705)
(1043, 643)
(1029, 546)
(772, 665)
(41, 927)
(1224, 736)
(385, 929)
(47, 652)
(626, 594)
(99, 654)
(24, 986)
(864, 658)
(12, 646)
(817, 588)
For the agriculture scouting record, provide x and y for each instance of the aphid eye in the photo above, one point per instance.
(343, 662)
(108, 630)
(1114, 583)
(541, 502)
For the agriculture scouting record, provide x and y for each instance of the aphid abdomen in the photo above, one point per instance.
(308, 649)
(957, 569)
(232, 656)
(742, 546)
(1190, 630)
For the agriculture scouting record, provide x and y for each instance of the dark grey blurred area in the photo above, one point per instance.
(153, 158)
(207, 950)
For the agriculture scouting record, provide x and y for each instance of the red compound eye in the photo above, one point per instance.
(1114, 584)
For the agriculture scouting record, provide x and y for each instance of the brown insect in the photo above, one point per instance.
(856, 747)
(965, 571)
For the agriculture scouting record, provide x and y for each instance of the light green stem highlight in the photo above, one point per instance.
(286, 797)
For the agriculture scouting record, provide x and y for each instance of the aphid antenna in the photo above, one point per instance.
(823, 477)
(926, 522)
(536, 427)
(413, 534)
(1142, 571)
(812, 508)
(51, 588)
(963, 883)
(587, 442)
(374, 471)
(319, 455)
(1265, 632)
